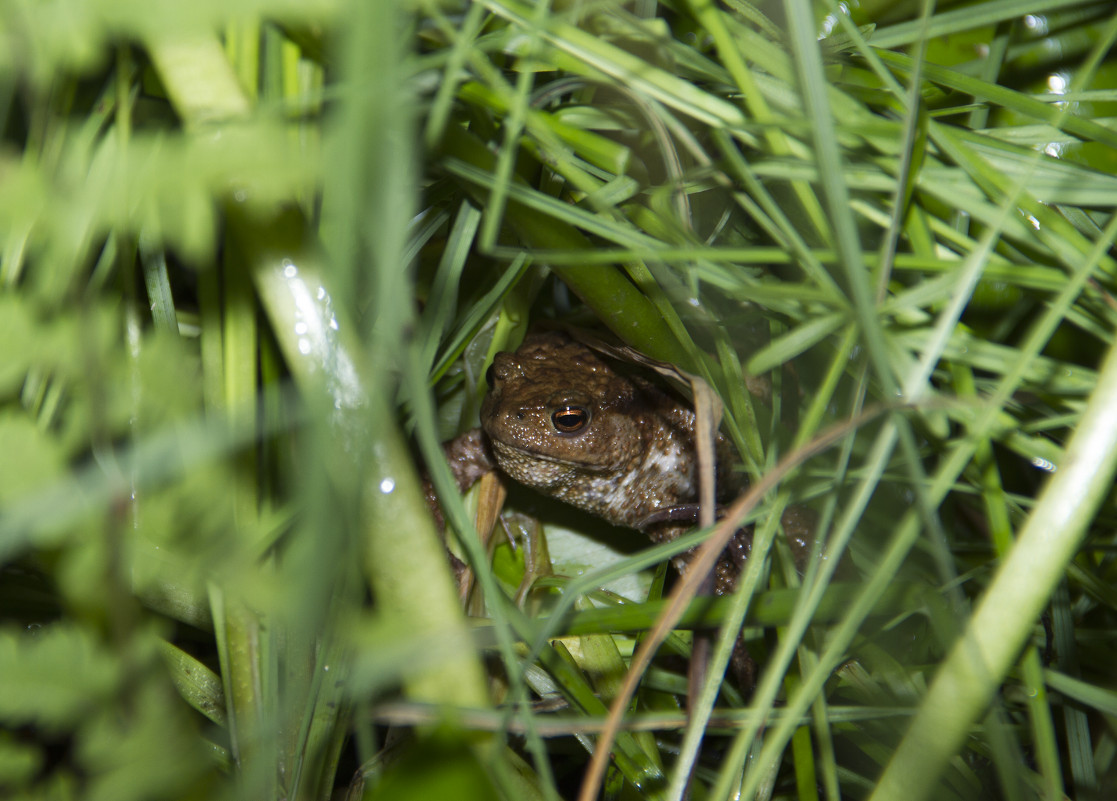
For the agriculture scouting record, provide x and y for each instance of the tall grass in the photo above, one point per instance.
(255, 259)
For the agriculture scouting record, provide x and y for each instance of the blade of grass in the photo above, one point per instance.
(158, 288)
(966, 18)
(513, 125)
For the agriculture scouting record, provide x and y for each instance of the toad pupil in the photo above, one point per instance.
(570, 419)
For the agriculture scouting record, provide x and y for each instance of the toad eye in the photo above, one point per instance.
(570, 419)
(490, 376)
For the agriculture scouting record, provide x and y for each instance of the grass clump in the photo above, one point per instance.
(255, 259)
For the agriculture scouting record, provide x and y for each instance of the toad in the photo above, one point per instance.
(559, 419)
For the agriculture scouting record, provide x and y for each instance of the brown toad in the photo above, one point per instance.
(559, 419)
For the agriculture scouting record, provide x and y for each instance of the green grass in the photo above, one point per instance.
(255, 259)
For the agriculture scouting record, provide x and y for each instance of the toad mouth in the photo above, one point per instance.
(544, 457)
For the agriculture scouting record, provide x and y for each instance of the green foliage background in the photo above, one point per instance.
(254, 260)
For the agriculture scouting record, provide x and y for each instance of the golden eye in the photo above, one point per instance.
(570, 419)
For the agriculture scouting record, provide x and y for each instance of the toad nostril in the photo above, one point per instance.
(519, 415)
